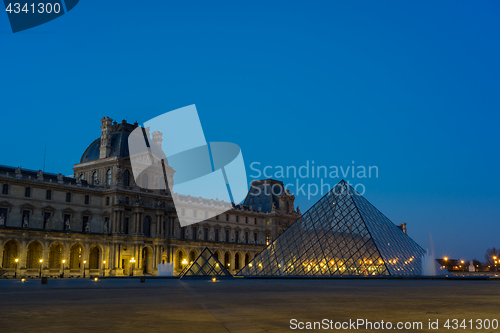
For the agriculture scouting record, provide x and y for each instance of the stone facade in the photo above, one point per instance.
(100, 222)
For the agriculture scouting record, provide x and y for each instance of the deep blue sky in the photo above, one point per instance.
(411, 87)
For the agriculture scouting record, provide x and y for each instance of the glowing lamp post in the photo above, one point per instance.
(15, 269)
(41, 261)
(84, 262)
(104, 268)
(63, 262)
(132, 261)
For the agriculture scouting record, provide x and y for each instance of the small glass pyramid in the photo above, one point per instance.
(205, 265)
(341, 235)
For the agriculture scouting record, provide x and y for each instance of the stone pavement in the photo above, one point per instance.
(235, 305)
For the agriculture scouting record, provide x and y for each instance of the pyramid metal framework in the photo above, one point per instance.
(205, 265)
(341, 235)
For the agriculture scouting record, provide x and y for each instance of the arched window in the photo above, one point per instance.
(147, 226)
(126, 178)
(94, 178)
(192, 256)
(145, 180)
(108, 177)
(237, 261)
(180, 257)
(226, 260)
(247, 258)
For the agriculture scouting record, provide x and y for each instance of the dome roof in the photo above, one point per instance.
(119, 143)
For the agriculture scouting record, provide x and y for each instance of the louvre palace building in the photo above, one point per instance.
(101, 223)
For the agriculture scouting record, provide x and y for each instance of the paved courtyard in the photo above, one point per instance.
(236, 305)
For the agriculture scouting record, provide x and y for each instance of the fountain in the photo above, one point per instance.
(428, 261)
(166, 269)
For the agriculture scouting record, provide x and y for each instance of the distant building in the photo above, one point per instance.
(100, 220)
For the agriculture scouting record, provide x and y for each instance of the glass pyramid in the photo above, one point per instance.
(205, 265)
(341, 235)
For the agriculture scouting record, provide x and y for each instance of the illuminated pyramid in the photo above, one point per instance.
(206, 265)
(341, 235)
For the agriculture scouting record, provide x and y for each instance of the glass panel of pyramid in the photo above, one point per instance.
(341, 235)
(205, 265)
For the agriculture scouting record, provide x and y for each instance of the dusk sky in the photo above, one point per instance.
(409, 87)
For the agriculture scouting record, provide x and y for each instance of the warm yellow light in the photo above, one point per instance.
(64, 261)
(260, 265)
(23, 279)
(85, 261)
(41, 260)
(495, 257)
(214, 279)
(184, 262)
(445, 258)
(132, 260)
(104, 262)
(228, 264)
(250, 264)
(16, 260)
(462, 261)
(95, 279)
(217, 265)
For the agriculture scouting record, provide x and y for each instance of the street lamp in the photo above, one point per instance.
(41, 260)
(104, 268)
(132, 261)
(15, 270)
(63, 262)
(84, 262)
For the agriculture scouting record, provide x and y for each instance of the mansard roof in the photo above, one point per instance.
(119, 143)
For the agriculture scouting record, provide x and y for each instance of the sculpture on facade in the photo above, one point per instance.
(66, 225)
(25, 221)
(2, 220)
(105, 227)
(47, 223)
(87, 227)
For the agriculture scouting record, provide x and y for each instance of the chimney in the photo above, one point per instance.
(402, 226)
(157, 138)
(106, 129)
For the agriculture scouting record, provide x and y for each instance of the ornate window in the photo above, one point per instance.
(94, 178)
(147, 226)
(109, 175)
(126, 178)
(125, 225)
